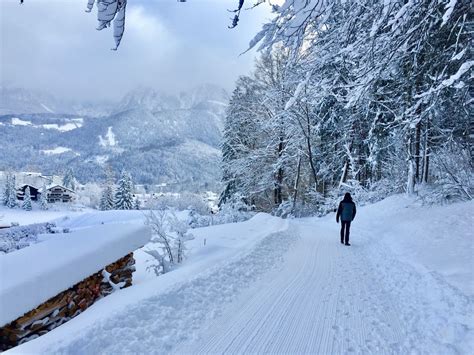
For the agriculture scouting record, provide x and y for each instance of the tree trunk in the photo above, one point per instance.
(279, 177)
(417, 151)
(426, 153)
(296, 185)
(310, 150)
(411, 170)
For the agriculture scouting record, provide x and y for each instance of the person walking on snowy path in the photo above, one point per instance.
(346, 211)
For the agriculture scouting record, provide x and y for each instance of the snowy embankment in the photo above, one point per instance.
(270, 285)
(221, 260)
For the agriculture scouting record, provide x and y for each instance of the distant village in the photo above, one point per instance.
(20, 189)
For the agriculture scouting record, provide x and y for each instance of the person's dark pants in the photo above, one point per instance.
(345, 225)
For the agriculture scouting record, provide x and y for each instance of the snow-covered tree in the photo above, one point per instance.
(6, 190)
(26, 205)
(137, 204)
(12, 199)
(169, 237)
(107, 199)
(124, 199)
(44, 199)
(68, 180)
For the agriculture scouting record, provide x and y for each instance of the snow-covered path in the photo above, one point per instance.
(324, 301)
(333, 299)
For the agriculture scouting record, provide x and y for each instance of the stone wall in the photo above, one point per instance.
(68, 304)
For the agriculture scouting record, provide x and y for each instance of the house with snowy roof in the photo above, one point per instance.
(59, 193)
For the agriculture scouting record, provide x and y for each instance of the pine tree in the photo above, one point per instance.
(136, 205)
(124, 193)
(11, 203)
(6, 192)
(69, 180)
(107, 199)
(27, 200)
(44, 199)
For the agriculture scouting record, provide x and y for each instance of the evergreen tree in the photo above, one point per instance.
(11, 203)
(107, 199)
(27, 200)
(68, 180)
(44, 199)
(136, 205)
(6, 191)
(124, 192)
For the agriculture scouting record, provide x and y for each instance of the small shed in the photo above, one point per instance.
(34, 192)
(58, 193)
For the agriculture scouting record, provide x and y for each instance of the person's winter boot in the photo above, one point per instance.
(342, 242)
(348, 244)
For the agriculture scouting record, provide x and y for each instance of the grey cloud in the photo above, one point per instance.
(52, 45)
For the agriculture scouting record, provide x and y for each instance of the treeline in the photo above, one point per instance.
(371, 97)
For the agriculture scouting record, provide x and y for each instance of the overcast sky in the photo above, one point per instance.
(53, 45)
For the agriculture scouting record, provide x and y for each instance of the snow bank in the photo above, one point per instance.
(433, 239)
(33, 275)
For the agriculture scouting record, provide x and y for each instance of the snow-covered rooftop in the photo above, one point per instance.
(33, 275)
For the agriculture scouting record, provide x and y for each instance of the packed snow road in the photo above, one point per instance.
(333, 299)
(274, 286)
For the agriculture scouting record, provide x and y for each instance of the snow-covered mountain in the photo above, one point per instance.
(156, 136)
(17, 101)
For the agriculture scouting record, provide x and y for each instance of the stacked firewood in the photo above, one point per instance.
(68, 304)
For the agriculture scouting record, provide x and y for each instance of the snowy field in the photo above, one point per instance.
(288, 286)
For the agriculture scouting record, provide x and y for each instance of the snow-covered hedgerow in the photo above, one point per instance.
(19, 237)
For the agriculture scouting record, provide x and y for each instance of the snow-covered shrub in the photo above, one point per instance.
(453, 177)
(284, 210)
(169, 236)
(89, 195)
(233, 211)
(18, 237)
(196, 220)
(181, 202)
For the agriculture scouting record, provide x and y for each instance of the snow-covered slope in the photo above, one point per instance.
(275, 286)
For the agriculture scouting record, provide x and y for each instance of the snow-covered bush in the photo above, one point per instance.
(181, 202)
(18, 237)
(169, 236)
(454, 178)
(233, 211)
(89, 195)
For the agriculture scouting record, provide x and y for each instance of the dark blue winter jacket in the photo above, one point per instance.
(346, 210)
